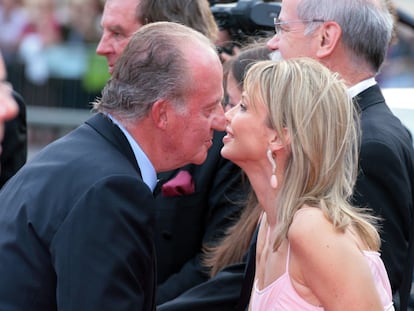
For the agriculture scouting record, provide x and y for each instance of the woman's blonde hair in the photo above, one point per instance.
(232, 248)
(323, 128)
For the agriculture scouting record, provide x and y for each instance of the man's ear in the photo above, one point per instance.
(329, 38)
(159, 113)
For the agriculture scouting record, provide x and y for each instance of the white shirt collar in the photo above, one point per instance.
(149, 176)
(361, 86)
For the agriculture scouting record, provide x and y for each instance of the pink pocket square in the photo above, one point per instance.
(182, 184)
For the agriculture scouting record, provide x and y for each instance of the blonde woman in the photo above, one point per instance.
(296, 135)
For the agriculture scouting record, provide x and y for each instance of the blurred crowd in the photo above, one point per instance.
(398, 70)
(49, 49)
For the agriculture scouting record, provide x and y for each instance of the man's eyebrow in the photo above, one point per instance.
(213, 104)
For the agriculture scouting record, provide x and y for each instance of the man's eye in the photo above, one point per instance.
(208, 112)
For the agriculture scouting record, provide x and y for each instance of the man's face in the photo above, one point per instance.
(118, 25)
(192, 131)
(291, 42)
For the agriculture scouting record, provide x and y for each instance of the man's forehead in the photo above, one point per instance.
(124, 7)
(288, 9)
(120, 16)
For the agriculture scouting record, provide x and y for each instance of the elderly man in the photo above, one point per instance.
(77, 222)
(186, 221)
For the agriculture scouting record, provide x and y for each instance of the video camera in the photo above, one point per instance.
(246, 18)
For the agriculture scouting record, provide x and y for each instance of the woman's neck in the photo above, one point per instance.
(266, 195)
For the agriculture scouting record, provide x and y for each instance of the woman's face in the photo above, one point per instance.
(248, 135)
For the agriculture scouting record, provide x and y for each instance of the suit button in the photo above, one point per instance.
(167, 235)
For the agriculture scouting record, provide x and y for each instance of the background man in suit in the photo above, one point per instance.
(187, 221)
(351, 37)
(77, 222)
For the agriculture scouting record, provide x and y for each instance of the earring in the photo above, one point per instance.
(273, 179)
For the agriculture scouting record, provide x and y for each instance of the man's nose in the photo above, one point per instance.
(273, 43)
(103, 46)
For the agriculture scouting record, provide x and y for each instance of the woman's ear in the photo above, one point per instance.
(329, 37)
(279, 142)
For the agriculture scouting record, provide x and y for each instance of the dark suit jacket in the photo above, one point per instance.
(220, 293)
(185, 223)
(228, 290)
(14, 145)
(386, 183)
(76, 227)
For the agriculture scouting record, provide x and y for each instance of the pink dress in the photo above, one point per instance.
(282, 296)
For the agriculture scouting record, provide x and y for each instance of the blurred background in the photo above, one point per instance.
(49, 49)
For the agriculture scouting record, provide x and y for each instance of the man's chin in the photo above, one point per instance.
(200, 158)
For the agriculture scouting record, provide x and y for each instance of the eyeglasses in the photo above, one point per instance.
(278, 23)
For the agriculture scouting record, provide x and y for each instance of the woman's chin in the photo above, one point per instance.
(226, 152)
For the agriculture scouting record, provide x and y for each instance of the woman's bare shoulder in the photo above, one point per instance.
(309, 225)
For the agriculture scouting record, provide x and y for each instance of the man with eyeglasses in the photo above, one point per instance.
(351, 38)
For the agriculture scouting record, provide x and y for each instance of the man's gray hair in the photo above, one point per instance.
(367, 25)
(153, 66)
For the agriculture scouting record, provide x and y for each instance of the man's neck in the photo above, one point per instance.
(361, 86)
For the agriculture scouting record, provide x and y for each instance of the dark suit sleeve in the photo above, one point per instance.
(103, 252)
(224, 205)
(384, 185)
(14, 145)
